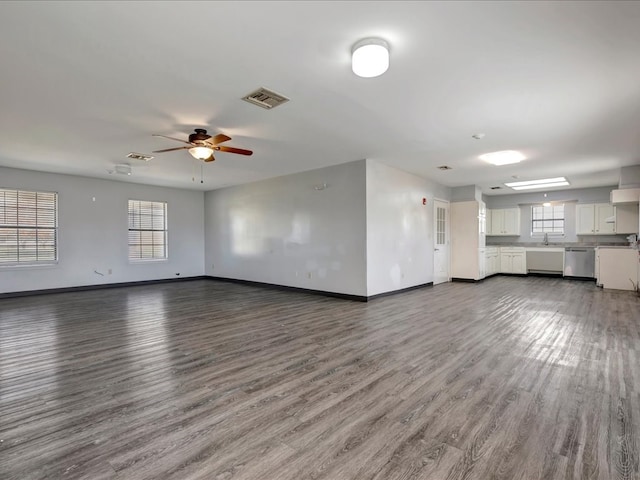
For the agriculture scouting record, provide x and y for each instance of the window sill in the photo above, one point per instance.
(144, 261)
(29, 266)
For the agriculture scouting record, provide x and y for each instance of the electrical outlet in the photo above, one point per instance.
(309, 274)
(110, 271)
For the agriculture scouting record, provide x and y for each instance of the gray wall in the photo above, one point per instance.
(92, 235)
(399, 228)
(292, 231)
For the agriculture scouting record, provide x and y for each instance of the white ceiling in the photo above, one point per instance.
(85, 83)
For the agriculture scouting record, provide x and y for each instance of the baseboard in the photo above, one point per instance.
(344, 296)
(402, 290)
(81, 288)
(285, 288)
(464, 280)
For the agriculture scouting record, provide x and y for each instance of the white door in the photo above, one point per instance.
(441, 242)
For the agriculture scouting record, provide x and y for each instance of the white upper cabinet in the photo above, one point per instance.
(504, 221)
(591, 219)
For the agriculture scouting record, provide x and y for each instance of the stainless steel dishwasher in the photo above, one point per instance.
(579, 262)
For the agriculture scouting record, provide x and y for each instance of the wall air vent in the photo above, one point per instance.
(140, 156)
(265, 98)
(445, 167)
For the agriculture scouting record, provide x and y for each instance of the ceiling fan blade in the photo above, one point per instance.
(172, 138)
(241, 151)
(172, 149)
(210, 159)
(220, 138)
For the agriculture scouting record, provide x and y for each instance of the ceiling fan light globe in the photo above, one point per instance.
(201, 153)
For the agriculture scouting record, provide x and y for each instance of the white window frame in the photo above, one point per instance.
(552, 218)
(29, 217)
(147, 226)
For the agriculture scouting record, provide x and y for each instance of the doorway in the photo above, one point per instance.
(441, 242)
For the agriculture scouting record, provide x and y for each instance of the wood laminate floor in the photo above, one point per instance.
(512, 378)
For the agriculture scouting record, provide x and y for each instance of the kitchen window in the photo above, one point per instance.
(547, 219)
(147, 230)
(28, 227)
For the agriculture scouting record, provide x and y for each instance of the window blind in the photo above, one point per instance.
(28, 227)
(147, 230)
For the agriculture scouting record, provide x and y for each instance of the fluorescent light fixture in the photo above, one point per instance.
(504, 157)
(536, 182)
(370, 57)
(201, 153)
(542, 183)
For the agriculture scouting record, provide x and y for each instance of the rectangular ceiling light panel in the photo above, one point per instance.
(505, 157)
(542, 183)
(545, 185)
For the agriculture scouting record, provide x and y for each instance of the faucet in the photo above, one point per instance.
(546, 239)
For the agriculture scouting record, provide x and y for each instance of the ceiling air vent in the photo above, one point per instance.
(265, 98)
(140, 156)
(496, 188)
(444, 167)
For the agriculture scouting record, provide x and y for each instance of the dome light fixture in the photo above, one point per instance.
(200, 152)
(370, 57)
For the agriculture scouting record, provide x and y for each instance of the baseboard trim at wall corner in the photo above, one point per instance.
(286, 288)
(402, 290)
(81, 288)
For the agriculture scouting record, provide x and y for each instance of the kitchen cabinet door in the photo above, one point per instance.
(518, 263)
(511, 224)
(590, 219)
(497, 222)
(506, 262)
(602, 212)
(505, 221)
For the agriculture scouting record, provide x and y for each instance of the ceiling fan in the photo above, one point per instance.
(201, 145)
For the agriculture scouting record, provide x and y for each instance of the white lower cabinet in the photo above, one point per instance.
(492, 256)
(482, 263)
(513, 260)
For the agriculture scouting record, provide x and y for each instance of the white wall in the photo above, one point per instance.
(284, 231)
(399, 228)
(93, 234)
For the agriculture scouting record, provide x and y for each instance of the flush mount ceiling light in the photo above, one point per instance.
(543, 183)
(370, 57)
(201, 153)
(504, 157)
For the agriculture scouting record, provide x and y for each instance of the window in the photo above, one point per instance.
(147, 230)
(28, 227)
(547, 219)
